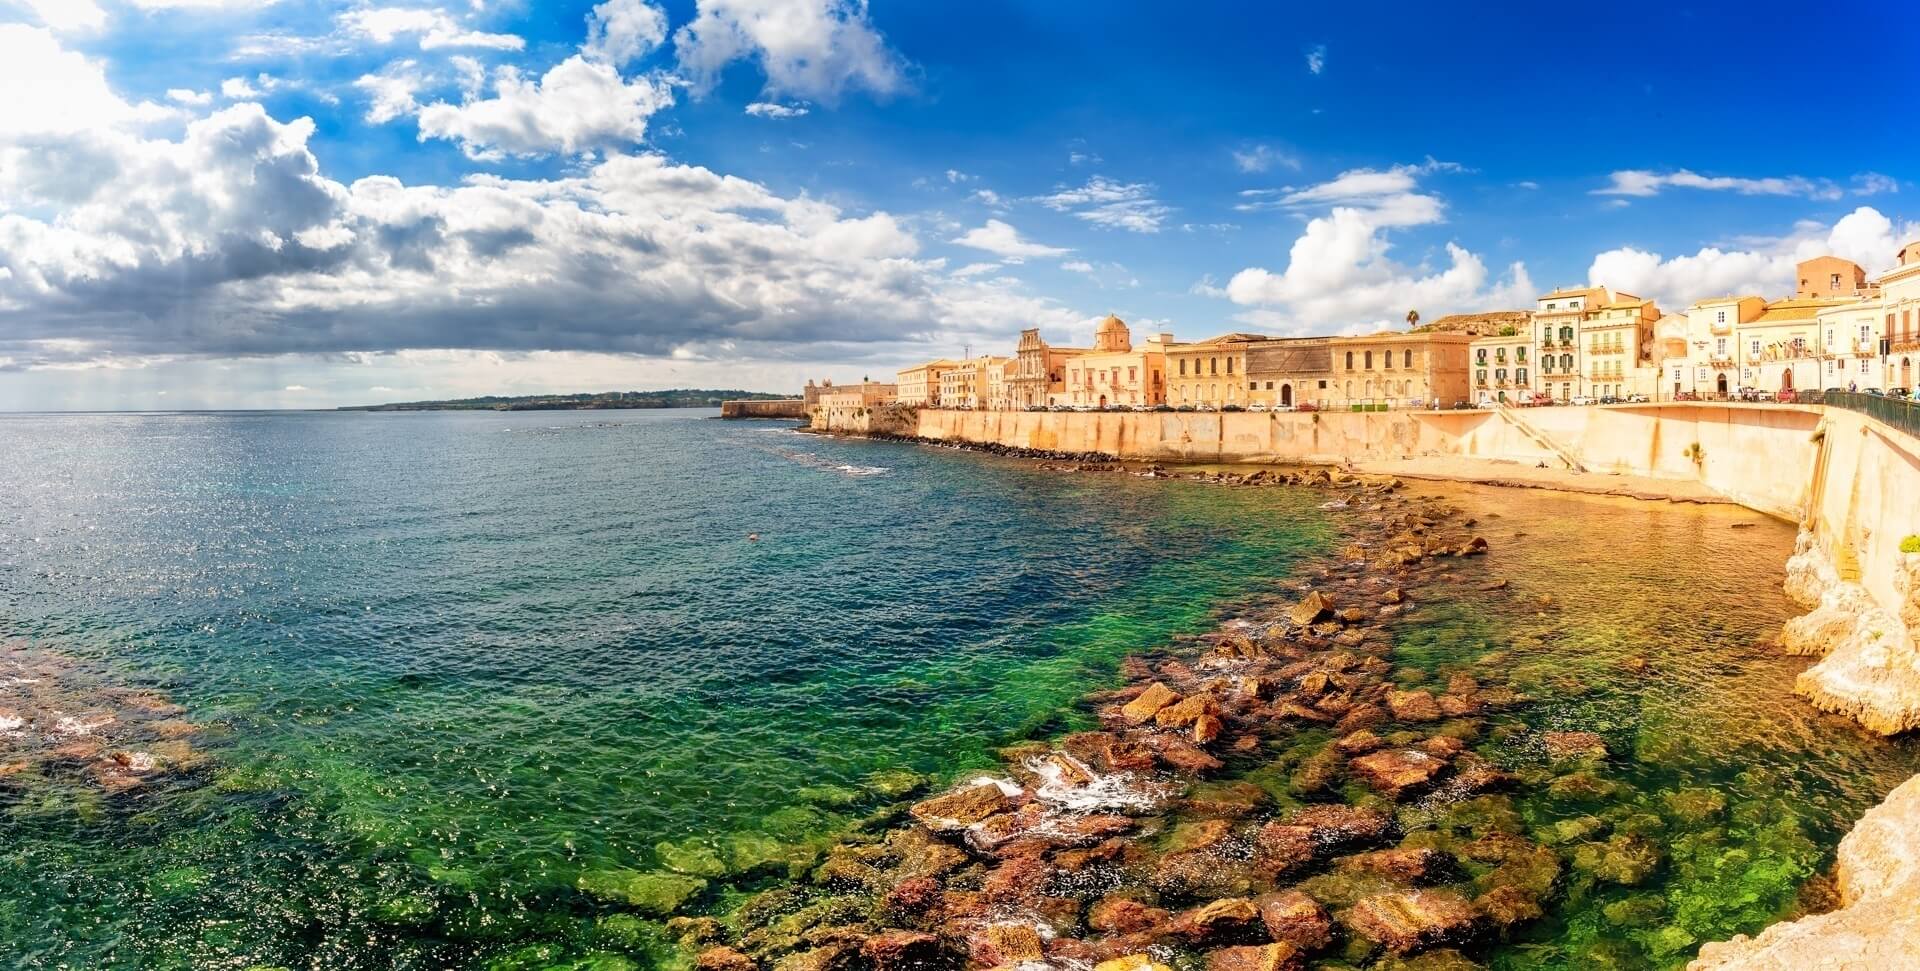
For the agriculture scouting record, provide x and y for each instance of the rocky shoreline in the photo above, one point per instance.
(1277, 794)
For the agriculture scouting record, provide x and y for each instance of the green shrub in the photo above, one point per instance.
(1910, 545)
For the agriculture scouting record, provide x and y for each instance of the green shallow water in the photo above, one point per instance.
(1659, 638)
(454, 663)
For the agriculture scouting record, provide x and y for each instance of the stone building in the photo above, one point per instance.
(1211, 373)
(1899, 306)
(1400, 370)
(1829, 277)
(1288, 371)
(1115, 372)
(1040, 372)
(839, 403)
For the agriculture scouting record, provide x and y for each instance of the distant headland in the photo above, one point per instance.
(674, 398)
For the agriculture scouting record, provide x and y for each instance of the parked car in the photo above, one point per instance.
(1257, 406)
(1638, 399)
(1463, 406)
(1306, 406)
(1540, 399)
(1785, 397)
(1489, 404)
(1900, 392)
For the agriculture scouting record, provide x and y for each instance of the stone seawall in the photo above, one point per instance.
(783, 408)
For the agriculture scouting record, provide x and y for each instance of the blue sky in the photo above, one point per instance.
(243, 203)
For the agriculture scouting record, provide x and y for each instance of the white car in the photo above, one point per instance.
(1257, 406)
(1581, 400)
(1489, 404)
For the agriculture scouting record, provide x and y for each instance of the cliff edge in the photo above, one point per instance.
(1870, 669)
(1878, 926)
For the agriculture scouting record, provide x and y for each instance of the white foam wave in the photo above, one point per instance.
(1118, 790)
(860, 470)
(1334, 504)
(70, 725)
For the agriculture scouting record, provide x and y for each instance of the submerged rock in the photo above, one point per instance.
(659, 893)
(1395, 773)
(1257, 957)
(1413, 920)
(962, 807)
(1297, 919)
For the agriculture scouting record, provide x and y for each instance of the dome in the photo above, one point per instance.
(1112, 335)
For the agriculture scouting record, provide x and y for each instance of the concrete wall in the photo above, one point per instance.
(783, 408)
(1867, 499)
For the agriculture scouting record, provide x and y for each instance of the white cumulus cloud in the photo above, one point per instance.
(621, 31)
(435, 28)
(578, 105)
(812, 49)
(1002, 239)
(1110, 204)
(770, 109)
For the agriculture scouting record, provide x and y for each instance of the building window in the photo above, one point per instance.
(1406, 358)
(1133, 374)
(1754, 347)
(1369, 360)
(1183, 366)
(1269, 385)
(1720, 317)
(1229, 365)
(1213, 365)
(1520, 375)
(1349, 360)
(1255, 385)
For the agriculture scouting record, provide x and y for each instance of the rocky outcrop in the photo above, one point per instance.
(1878, 927)
(1871, 666)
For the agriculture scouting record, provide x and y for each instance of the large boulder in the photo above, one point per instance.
(1257, 957)
(1293, 917)
(902, 950)
(1395, 773)
(1143, 708)
(1311, 608)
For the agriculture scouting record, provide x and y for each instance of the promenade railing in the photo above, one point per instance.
(1901, 413)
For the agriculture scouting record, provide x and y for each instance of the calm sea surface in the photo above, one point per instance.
(453, 661)
(446, 665)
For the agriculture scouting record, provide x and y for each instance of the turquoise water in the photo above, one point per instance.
(447, 664)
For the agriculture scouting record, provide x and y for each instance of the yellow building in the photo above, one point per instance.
(1000, 384)
(1850, 341)
(1115, 373)
(965, 385)
(848, 401)
(1712, 366)
(1401, 370)
(920, 384)
(1211, 373)
(1617, 341)
(1557, 318)
(1503, 366)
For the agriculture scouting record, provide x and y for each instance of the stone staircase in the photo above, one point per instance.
(1512, 415)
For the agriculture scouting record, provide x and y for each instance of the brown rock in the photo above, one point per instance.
(1184, 756)
(1207, 728)
(1122, 915)
(1407, 865)
(900, 950)
(1017, 879)
(961, 808)
(1131, 962)
(1336, 826)
(1310, 609)
(1410, 920)
(724, 959)
(1358, 743)
(1475, 547)
(1216, 920)
(998, 944)
(1573, 745)
(1508, 906)
(1362, 716)
(1397, 772)
(1280, 850)
(1295, 918)
(912, 896)
(1413, 706)
(1142, 709)
(1294, 709)
(1186, 711)
(1257, 957)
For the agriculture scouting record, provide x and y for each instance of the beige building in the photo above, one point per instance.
(1286, 372)
(1780, 349)
(1400, 370)
(920, 384)
(849, 401)
(1712, 364)
(1850, 342)
(965, 385)
(1211, 373)
(1829, 277)
(1557, 318)
(1116, 373)
(1899, 308)
(810, 395)
(1040, 372)
(1000, 384)
(1503, 367)
(1617, 342)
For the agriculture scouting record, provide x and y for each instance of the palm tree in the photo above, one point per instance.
(1413, 319)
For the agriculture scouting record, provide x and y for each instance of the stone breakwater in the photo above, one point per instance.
(1870, 661)
(1145, 843)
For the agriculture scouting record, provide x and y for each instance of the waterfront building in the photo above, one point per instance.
(870, 390)
(1211, 373)
(1400, 369)
(1780, 350)
(1040, 372)
(840, 403)
(1000, 384)
(1503, 367)
(1617, 343)
(1712, 364)
(1558, 319)
(1898, 304)
(965, 384)
(1850, 345)
(1115, 372)
(1287, 371)
(920, 384)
